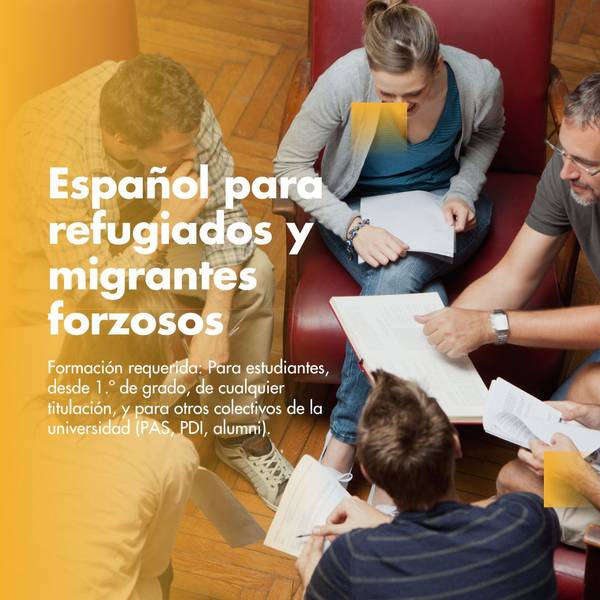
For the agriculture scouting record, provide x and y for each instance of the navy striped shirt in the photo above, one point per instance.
(453, 551)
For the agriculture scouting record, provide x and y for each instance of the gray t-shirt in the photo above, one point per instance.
(554, 212)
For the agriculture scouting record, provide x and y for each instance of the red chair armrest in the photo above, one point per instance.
(592, 562)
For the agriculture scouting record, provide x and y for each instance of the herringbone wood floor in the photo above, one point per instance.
(242, 53)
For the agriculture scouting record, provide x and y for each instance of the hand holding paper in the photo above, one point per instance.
(416, 218)
(459, 215)
(309, 498)
(518, 417)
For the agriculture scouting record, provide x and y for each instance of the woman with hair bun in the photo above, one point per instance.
(453, 128)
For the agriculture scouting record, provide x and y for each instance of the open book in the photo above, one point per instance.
(310, 496)
(414, 217)
(518, 417)
(384, 334)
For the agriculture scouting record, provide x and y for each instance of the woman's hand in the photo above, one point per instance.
(377, 246)
(459, 215)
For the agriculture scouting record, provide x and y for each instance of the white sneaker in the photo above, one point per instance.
(343, 478)
(268, 472)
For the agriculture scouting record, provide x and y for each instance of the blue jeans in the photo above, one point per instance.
(563, 391)
(412, 274)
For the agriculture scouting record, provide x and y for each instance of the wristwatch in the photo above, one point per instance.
(499, 323)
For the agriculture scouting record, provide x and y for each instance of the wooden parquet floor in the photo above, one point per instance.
(242, 53)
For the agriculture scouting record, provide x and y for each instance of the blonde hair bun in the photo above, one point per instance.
(399, 37)
(375, 7)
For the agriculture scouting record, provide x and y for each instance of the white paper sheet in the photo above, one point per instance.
(384, 334)
(309, 498)
(518, 417)
(414, 217)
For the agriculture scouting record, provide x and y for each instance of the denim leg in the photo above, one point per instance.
(411, 274)
(563, 391)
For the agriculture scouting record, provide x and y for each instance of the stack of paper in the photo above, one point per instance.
(518, 417)
(310, 496)
(384, 335)
(416, 218)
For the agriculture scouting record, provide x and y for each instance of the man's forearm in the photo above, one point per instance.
(566, 328)
(496, 289)
(585, 480)
(512, 282)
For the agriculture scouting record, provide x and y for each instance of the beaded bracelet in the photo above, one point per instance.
(352, 234)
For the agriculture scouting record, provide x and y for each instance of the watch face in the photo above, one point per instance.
(499, 321)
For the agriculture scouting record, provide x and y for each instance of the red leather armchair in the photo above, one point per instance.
(311, 332)
(516, 35)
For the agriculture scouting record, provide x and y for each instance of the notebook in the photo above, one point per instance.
(384, 335)
(309, 498)
(416, 218)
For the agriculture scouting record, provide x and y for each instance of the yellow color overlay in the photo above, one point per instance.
(385, 120)
(560, 481)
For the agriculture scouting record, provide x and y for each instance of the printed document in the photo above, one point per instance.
(309, 498)
(384, 334)
(416, 218)
(518, 417)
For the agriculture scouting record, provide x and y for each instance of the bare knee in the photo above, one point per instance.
(515, 476)
(586, 385)
(506, 477)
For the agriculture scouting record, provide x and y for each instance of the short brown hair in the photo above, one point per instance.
(405, 443)
(148, 95)
(399, 37)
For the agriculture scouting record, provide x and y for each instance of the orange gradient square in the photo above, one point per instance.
(387, 120)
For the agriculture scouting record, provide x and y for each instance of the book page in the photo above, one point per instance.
(414, 217)
(585, 439)
(309, 498)
(504, 408)
(518, 417)
(384, 334)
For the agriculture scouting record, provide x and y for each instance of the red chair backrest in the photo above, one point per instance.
(515, 35)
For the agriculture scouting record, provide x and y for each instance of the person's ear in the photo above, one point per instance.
(365, 474)
(456, 444)
(438, 63)
(122, 141)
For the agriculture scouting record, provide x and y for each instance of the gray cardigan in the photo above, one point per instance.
(324, 121)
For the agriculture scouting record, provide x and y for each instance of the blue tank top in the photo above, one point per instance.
(426, 165)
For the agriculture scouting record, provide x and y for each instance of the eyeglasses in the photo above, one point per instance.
(591, 172)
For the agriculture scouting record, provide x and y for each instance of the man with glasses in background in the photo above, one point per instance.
(490, 309)
(567, 199)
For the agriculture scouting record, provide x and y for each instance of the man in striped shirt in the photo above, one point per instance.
(437, 546)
